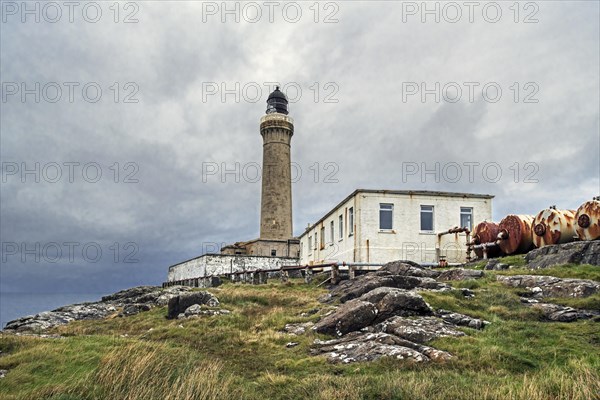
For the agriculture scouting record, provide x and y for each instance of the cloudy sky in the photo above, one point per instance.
(163, 99)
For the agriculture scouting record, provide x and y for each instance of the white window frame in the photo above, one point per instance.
(351, 221)
(383, 207)
(332, 233)
(341, 227)
(466, 213)
(432, 218)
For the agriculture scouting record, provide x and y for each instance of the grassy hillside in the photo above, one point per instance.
(243, 355)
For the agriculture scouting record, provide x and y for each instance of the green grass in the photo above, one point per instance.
(243, 355)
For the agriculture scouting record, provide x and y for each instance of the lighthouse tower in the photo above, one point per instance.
(276, 234)
(276, 129)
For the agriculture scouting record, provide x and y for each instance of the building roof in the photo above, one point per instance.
(400, 192)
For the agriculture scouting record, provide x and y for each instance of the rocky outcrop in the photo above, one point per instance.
(585, 252)
(132, 301)
(366, 346)
(409, 268)
(418, 330)
(297, 329)
(354, 288)
(558, 313)
(495, 265)
(196, 310)
(180, 304)
(461, 319)
(351, 316)
(550, 286)
(391, 302)
(460, 274)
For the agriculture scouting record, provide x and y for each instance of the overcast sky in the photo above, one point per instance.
(355, 73)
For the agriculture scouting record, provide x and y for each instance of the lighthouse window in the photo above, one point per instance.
(341, 226)
(273, 253)
(350, 221)
(322, 237)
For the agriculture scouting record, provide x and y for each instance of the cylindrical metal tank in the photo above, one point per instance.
(587, 220)
(515, 234)
(552, 226)
(486, 232)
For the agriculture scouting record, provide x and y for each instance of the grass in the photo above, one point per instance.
(243, 355)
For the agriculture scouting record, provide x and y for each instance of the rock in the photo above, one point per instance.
(467, 292)
(194, 309)
(132, 309)
(360, 346)
(558, 313)
(354, 288)
(460, 274)
(297, 329)
(61, 316)
(351, 316)
(409, 268)
(550, 286)
(461, 319)
(291, 344)
(180, 303)
(418, 330)
(584, 252)
(3, 373)
(390, 302)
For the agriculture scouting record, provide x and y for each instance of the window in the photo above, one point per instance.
(310, 244)
(316, 240)
(322, 237)
(332, 235)
(466, 218)
(350, 221)
(273, 253)
(386, 212)
(341, 226)
(426, 218)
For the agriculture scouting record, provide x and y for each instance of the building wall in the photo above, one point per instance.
(405, 240)
(218, 264)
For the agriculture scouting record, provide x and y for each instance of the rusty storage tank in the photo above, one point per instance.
(552, 226)
(587, 220)
(486, 232)
(515, 234)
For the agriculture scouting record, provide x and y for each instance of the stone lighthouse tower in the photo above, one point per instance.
(276, 235)
(276, 129)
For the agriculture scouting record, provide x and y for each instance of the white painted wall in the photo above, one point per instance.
(217, 264)
(405, 240)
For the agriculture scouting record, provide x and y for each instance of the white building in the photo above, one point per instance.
(377, 226)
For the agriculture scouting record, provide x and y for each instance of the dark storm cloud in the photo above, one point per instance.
(174, 212)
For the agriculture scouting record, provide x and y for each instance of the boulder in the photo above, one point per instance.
(550, 286)
(584, 252)
(132, 309)
(461, 319)
(351, 316)
(360, 346)
(495, 265)
(558, 313)
(390, 302)
(409, 268)
(418, 330)
(179, 304)
(460, 274)
(355, 288)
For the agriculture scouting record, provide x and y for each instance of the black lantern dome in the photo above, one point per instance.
(277, 102)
